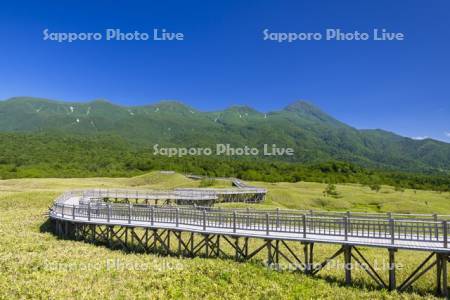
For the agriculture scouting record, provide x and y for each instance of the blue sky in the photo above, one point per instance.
(401, 86)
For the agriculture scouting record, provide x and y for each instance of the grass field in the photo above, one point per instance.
(36, 264)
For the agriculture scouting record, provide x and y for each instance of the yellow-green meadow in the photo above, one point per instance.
(36, 264)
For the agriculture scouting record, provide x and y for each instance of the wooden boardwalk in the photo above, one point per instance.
(186, 196)
(93, 215)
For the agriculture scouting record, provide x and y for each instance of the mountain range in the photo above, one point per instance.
(313, 134)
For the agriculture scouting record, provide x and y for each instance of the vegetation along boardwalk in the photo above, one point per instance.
(136, 219)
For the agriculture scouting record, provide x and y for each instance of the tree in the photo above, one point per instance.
(331, 190)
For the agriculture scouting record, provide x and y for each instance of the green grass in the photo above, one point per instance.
(355, 197)
(36, 264)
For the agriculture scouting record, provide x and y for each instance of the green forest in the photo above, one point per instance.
(44, 155)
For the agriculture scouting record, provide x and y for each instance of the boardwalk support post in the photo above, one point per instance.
(236, 248)
(269, 253)
(308, 252)
(445, 233)
(206, 236)
(348, 264)
(444, 275)
(438, 274)
(306, 258)
(441, 274)
(392, 279)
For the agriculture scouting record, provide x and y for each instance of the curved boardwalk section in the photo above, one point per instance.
(180, 196)
(96, 216)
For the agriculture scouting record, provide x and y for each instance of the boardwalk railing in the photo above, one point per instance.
(393, 229)
(188, 195)
(340, 214)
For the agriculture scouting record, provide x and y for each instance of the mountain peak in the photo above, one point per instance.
(308, 111)
(173, 105)
(302, 106)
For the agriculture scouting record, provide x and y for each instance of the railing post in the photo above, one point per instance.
(445, 232)
(129, 213)
(436, 230)
(62, 211)
(109, 212)
(204, 219)
(392, 230)
(278, 218)
(304, 225)
(267, 223)
(89, 211)
(177, 217)
(234, 221)
(73, 212)
(346, 228)
(247, 219)
(152, 213)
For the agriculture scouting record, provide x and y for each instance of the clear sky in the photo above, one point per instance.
(401, 86)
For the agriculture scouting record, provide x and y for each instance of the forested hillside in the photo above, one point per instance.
(48, 155)
(314, 135)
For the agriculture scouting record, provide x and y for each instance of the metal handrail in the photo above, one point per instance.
(271, 222)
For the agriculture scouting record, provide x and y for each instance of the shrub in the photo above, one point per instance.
(331, 190)
(375, 187)
(205, 182)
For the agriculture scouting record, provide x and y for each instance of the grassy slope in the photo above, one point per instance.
(355, 197)
(28, 256)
